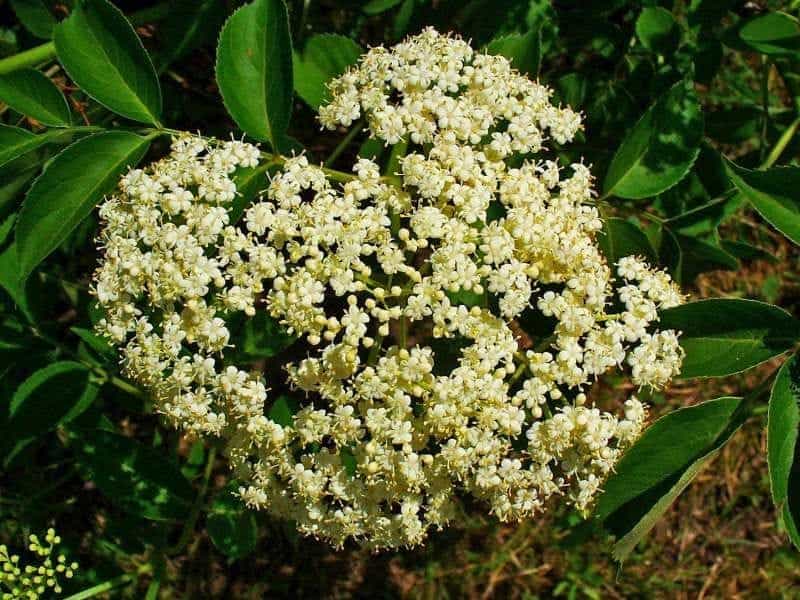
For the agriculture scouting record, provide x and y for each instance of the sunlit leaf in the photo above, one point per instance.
(101, 52)
(659, 466)
(723, 336)
(774, 33)
(660, 149)
(69, 188)
(254, 69)
(523, 50)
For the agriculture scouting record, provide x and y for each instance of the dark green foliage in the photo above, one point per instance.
(138, 479)
(621, 238)
(691, 111)
(31, 93)
(231, 526)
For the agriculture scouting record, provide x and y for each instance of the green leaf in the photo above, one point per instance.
(324, 57)
(30, 296)
(250, 182)
(188, 24)
(620, 238)
(723, 336)
(524, 50)
(466, 297)
(774, 193)
(403, 17)
(254, 69)
(659, 466)
(660, 149)
(349, 460)
(283, 409)
(69, 188)
(699, 220)
(264, 337)
(231, 525)
(16, 142)
(31, 93)
(138, 478)
(376, 7)
(782, 428)
(52, 396)
(101, 52)
(572, 89)
(775, 34)
(95, 342)
(710, 169)
(14, 179)
(16, 346)
(6, 227)
(657, 30)
(650, 460)
(35, 16)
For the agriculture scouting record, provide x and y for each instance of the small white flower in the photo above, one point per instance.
(371, 275)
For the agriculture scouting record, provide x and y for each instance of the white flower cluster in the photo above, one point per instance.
(32, 581)
(409, 295)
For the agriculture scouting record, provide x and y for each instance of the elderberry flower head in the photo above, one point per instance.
(450, 317)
